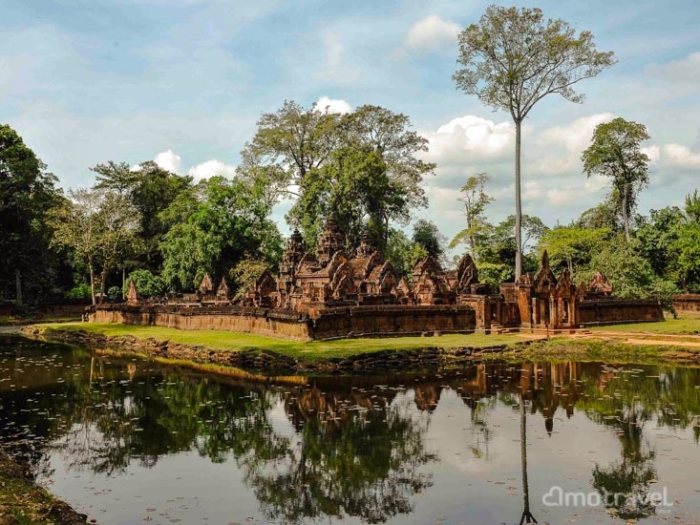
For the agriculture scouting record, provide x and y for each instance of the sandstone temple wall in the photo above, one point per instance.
(356, 321)
(618, 311)
(688, 302)
(370, 321)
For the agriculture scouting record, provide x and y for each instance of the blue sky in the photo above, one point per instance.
(184, 81)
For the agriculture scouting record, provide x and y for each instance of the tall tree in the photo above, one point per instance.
(77, 224)
(354, 187)
(97, 225)
(513, 58)
(389, 135)
(293, 144)
(27, 192)
(615, 152)
(288, 145)
(150, 190)
(475, 201)
(118, 224)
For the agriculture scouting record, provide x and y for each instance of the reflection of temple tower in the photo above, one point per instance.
(427, 397)
(330, 241)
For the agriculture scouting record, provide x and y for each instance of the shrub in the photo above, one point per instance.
(82, 291)
(147, 284)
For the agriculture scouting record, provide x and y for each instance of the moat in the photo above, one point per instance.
(128, 441)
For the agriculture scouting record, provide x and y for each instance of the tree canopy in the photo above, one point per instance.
(362, 167)
(27, 193)
(513, 58)
(615, 152)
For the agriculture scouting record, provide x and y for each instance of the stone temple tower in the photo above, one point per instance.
(331, 240)
(291, 256)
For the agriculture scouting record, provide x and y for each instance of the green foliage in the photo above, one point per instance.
(355, 188)
(630, 274)
(495, 257)
(288, 145)
(29, 267)
(114, 294)
(149, 189)
(475, 201)
(688, 248)
(512, 59)
(427, 235)
(98, 225)
(361, 167)
(147, 284)
(571, 247)
(245, 274)
(79, 292)
(601, 216)
(215, 225)
(403, 253)
(615, 152)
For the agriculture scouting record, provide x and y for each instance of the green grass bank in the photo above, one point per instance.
(313, 350)
(24, 503)
(670, 341)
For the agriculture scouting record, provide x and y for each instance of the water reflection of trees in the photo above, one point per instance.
(354, 449)
(354, 456)
(359, 455)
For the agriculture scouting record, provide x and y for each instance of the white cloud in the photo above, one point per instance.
(533, 190)
(562, 197)
(211, 168)
(680, 156)
(683, 71)
(168, 161)
(653, 152)
(468, 137)
(559, 148)
(432, 33)
(333, 105)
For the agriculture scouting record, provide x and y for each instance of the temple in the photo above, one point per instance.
(331, 292)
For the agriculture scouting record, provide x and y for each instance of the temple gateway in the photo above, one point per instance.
(330, 293)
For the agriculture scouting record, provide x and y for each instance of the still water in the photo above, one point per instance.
(128, 441)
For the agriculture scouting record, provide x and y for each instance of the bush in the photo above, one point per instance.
(80, 292)
(147, 284)
(114, 294)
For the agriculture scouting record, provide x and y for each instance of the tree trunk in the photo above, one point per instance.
(625, 216)
(518, 206)
(123, 279)
(92, 279)
(105, 272)
(18, 286)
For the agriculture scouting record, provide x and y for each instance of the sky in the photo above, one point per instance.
(183, 82)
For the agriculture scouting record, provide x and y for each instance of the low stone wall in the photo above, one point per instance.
(289, 325)
(618, 311)
(687, 302)
(378, 321)
(367, 321)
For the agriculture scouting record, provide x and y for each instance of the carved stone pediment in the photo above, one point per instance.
(206, 286)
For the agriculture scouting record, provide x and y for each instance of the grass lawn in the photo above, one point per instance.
(684, 325)
(235, 341)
